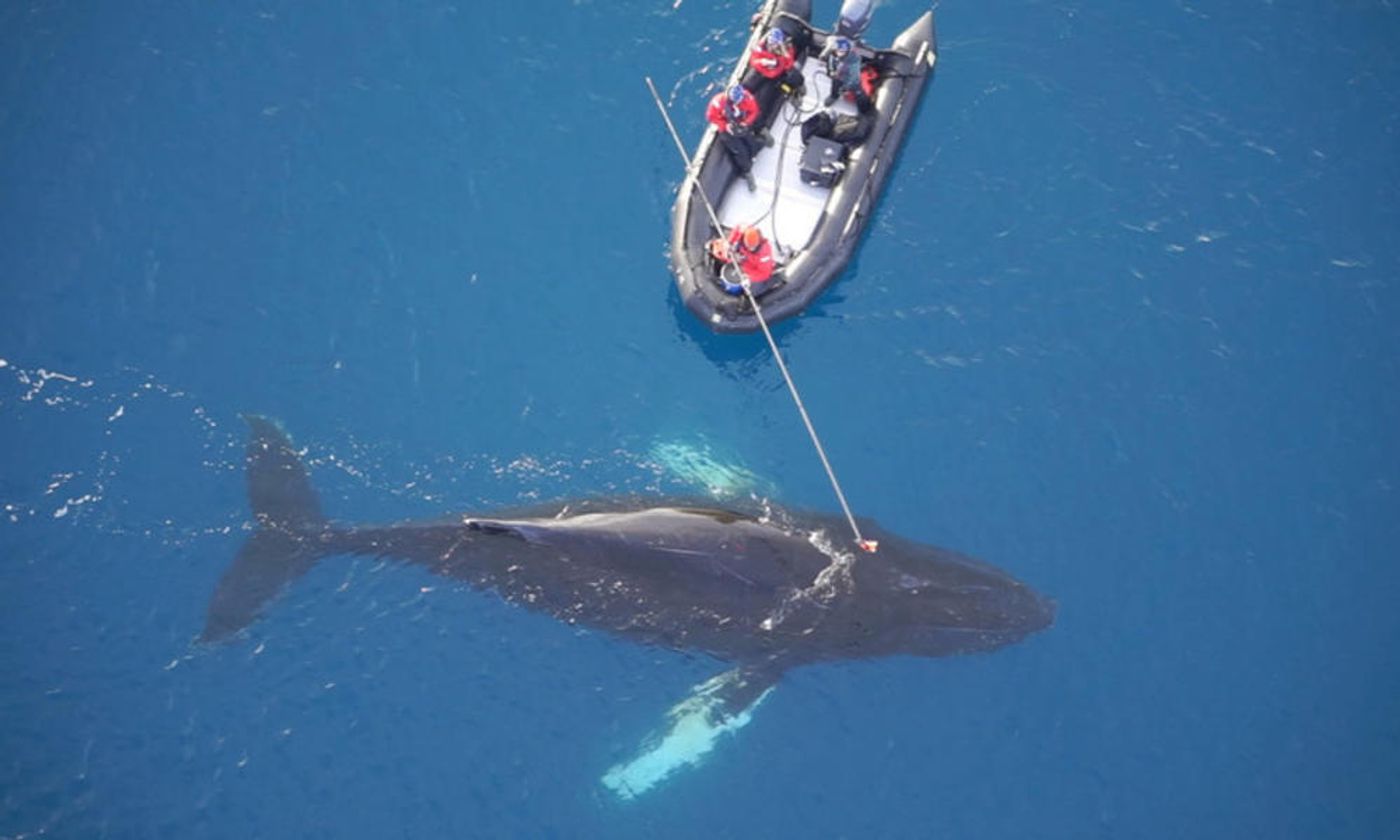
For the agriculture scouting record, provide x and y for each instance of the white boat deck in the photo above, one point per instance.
(791, 219)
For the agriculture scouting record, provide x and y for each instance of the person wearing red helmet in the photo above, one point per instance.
(752, 251)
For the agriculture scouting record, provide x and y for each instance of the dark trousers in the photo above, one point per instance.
(793, 78)
(741, 148)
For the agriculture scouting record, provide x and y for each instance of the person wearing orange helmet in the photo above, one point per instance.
(752, 251)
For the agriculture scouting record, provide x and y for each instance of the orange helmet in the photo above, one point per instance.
(752, 238)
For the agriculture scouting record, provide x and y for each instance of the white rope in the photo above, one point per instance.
(691, 175)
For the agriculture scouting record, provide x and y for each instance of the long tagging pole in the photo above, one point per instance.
(693, 176)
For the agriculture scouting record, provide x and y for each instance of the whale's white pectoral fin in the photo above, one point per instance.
(724, 704)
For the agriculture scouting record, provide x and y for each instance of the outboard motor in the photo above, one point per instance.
(855, 17)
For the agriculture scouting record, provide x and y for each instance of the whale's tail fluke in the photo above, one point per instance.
(288, 539)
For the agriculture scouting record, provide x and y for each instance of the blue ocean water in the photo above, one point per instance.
(1123, 326)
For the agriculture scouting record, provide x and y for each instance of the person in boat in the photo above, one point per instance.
(845, 129)
(754, 254)
(734, 113)
(774, 59)
(843, 67)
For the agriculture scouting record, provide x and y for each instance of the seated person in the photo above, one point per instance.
(775, 58)
(754, 254)
(847, 130)
(734, 114)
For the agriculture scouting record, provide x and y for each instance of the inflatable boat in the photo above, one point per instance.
(810, 200)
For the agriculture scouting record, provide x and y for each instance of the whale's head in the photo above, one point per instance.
(934, 602)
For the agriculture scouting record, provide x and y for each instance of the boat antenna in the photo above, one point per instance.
(691, 175)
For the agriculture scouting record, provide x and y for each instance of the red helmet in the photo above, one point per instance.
(752, 238)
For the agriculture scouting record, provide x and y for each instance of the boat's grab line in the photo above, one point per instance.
(691, 175)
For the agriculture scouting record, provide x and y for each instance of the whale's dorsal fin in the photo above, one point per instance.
(724, 704)
(491, 526)
(724, 517)
(496, 527)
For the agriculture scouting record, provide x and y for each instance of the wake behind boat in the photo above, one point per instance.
(810, 201)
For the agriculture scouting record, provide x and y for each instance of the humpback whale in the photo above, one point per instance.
(756, 586)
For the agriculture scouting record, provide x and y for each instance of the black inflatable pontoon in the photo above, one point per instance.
(814, 229)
